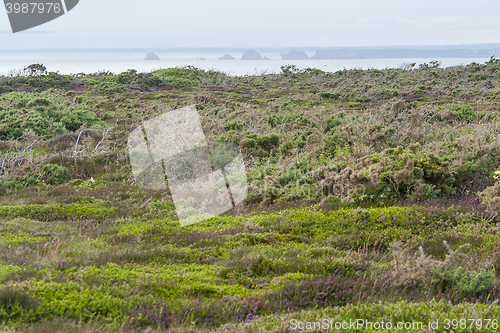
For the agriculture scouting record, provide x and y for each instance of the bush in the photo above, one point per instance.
(267, 142)
(43, 114)
(262, 145)
(330, 95)
(162, 208)
(178, 77)
(331, 123)
(467, 283)
(235, 125)
(56, 173)
(464, 112)
(14, 302)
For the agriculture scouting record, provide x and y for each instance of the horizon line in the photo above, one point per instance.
(222, 48)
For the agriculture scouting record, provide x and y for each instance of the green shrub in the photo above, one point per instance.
(262, 145)
(467, 283)
(162, 208)
(376, 128)
(235, 125)
(331, 143)
(268, 142)
(364, 99)
(111, 87)
(57, 174)
(464, 112)
(330, 95)
(14, 302)
(44, 114)
(331, 123)
(178, 77)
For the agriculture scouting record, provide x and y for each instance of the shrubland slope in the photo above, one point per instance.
(372, 194)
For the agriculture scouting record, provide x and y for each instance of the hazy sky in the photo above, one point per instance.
(262, 23)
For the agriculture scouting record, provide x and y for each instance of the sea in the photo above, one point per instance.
(74, 63)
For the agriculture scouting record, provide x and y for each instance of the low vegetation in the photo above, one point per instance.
(373, 194)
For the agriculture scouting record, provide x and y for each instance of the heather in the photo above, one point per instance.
(373, 194)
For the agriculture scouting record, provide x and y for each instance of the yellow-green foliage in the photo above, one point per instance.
(56, 211)
(5, 270)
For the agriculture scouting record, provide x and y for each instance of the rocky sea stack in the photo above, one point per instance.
(152, 56)
(226, 56)
(294, 55)
(252, 55)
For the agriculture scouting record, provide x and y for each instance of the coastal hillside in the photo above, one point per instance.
(371, 194)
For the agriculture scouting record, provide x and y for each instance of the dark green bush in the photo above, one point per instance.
(14, 302)
(464, 112)
(235, 125)
(45, 115)
(467, 283)
(330, 144)
(262, 145)
(56, 173)
(267, 142)
(330, 95)
(331, 123)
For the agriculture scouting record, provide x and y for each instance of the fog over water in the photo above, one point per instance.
(73, 63)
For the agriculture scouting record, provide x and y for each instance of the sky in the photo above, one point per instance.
(261, 23)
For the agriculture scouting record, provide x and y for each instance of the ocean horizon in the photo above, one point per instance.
(85, 62)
